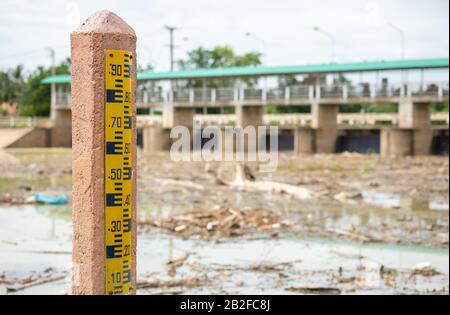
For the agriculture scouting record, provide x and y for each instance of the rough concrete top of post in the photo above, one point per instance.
(104, 22)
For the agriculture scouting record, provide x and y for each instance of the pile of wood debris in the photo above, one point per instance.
(220, 222)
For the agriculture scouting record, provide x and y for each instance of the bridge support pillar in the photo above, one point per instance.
(178, 116)
(417, 116)
(156, 138)
(324, 122)
(396, 142)
(249, 116)
(303, 141)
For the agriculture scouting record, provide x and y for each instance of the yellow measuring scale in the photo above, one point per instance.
(118, 171)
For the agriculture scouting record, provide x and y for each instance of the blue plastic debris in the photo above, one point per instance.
(51, 200)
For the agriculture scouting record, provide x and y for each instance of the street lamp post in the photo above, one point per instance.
(51, 52)
(264, 46)
(171, 30)
(402, 45)
(332, 40)
(263, 43)
(402, 38)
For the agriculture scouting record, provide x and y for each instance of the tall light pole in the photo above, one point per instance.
(171, 30)
(402, 38)
(332, 40)
(402, 45)
(263, 43)
(51, 53)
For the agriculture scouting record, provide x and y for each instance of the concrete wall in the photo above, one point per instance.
(61, 137)
(44, 138)
(36, 138)
(396, 142)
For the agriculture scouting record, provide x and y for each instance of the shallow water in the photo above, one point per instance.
(33, 238)
(389, 200)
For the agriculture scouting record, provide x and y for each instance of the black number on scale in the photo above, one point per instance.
(126, 250)
(127, 148)
(116, 122)
(116, 226)
(116, 69)
(116, 173)
(116, 277)
(127, 97)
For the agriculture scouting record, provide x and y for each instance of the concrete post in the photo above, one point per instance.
(324, 121)
(91, 203)
(183, 116)
(303, 141)
(249, 116)
(156, 139)
(417, 116)
(395, 142)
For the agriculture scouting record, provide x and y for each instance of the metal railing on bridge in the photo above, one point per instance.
(22, 122)
(292, 95)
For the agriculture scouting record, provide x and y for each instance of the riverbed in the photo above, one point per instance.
(374, 226)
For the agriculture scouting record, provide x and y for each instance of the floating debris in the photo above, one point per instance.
(47, 276)
(424, 269)
(315, 290)
(155, 283)
(221, 221)
(172, 265)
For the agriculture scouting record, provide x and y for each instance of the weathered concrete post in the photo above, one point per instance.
(417, 116)
(104, 156)
(303, 141)
(249, 115)
(324, 121)
(396, 142)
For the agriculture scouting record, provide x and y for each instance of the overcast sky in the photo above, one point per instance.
(361, 28)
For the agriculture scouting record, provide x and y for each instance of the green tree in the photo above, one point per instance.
(218, 57)
(36, 96)
(287, 80)
(11, 85)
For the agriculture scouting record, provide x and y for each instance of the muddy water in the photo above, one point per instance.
(408, 231)
(34, 238)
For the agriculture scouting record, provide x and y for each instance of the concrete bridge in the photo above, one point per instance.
(409, 131)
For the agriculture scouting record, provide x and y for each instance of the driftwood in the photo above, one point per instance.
(243, 182)
(33, 283)
(173, 265)
(221, 221)
(181, 183)
(354, 235)
(189, 283)
(315, 290)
